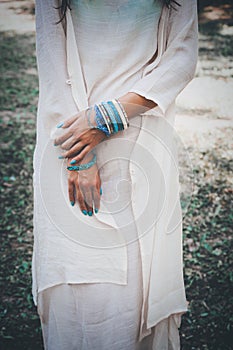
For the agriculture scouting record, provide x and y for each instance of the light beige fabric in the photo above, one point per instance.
(72, 248)
(103, 316)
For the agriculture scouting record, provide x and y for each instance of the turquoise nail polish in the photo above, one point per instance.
(55, 144)
(90, 213)
(101, 191)
(84, 212)
(60, 125)
(72, 203)
(73, 161)
(96, 210)
(61, 157)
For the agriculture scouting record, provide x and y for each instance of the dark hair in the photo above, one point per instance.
(67, 4)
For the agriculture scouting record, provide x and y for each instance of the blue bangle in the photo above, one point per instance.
(110, 117)
(83, 166)
(111, 114)
(100, 121)
(117, 116)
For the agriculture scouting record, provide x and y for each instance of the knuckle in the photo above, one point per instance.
(71, 177)
(85, 184)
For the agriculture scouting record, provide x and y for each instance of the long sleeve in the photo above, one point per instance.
(177, 64)
(55, 97)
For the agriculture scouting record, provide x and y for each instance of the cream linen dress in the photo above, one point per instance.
(113, 280)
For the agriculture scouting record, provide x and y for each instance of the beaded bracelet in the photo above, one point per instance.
(101, 121)
(111, 117)
(83, 166)
(118, 119)
(106, 118)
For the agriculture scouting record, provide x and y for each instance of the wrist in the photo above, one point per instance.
(87, 162)
(110, 117)
(135, 104)
(88, 157)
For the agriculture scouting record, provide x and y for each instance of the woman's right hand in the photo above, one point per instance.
(84, 187)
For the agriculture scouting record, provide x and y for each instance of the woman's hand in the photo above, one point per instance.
(84, 187)
(80, 136)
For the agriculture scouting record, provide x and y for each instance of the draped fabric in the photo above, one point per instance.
(105, 49)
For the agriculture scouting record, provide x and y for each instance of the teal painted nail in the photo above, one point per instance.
(72, 203)
(55, 144)
(90, 213)
(101, 191)
(60, 125)
(61, 157)
(96, 210)
(84, 212)
(73, 161)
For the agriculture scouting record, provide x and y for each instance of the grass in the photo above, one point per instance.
(19, 92)
(207, 224)
(208, 247)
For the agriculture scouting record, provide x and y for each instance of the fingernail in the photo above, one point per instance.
(60, 125)
(72, 203)
(84, 212)
(73, 161)
(96, 210)
(61, 157)
(55, 144)
(101, 191)
(90, 213)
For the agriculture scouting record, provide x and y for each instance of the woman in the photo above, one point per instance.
(107, 261)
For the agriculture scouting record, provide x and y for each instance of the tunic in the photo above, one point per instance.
(123, 46)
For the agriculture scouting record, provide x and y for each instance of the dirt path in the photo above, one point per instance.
(17, 16)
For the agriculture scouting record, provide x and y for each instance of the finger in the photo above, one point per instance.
(88, 200)
(71, 192)
(80, 199)
(59, 140)
(67, 122)
(96, 198)
(75, 140)
(74, 151)
(82, 153)
(68, 144)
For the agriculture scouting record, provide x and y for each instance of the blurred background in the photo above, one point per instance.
(204, 124)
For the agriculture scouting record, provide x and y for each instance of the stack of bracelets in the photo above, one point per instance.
(110, 117)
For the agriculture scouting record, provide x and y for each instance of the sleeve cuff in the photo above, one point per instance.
(161, 105)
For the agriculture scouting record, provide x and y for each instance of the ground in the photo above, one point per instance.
(204, 130)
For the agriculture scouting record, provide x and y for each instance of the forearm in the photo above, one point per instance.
(135, 104)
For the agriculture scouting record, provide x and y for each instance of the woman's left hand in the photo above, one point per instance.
(80, 135)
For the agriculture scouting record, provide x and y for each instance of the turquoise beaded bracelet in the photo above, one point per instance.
(83, 166)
